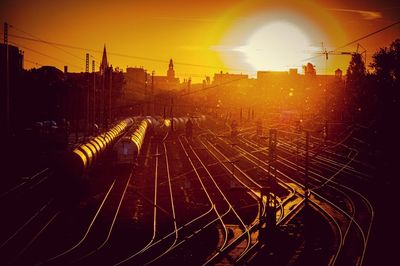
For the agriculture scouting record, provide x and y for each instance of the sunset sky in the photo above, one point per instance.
(202, 37)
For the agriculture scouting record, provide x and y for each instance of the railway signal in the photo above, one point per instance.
(259, 128)
(272, 152)
(327, 53)
(306, 189)
(267, 219)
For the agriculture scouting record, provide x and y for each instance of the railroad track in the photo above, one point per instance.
(248, 177)
(334, 192)
(243, 238)
(334, 224)
(97, 232)
(168, 243)
(189, 192)
(24, 200)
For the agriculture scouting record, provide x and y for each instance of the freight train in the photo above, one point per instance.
(124, 141)
(129, 147)
(68, 183)
(126, 137)
(86, 155)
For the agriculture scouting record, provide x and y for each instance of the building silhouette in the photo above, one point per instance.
(104, 62)
(136, 78)
(309, 70)
(171, 71)
(338, 73)
(105, 91)
(168, 82)
(8, 93)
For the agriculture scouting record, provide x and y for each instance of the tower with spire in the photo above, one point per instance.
(104, 63)
(171, 71)
(105, 89)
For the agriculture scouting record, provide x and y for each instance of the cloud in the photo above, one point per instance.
(368, 15)
(192, 48)
(227, 48)
(190, 19)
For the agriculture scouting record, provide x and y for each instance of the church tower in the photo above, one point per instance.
(104, 63)
(171, 71)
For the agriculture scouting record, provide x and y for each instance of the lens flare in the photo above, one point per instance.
(275, 46)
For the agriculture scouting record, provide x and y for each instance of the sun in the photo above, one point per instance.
(277, 46)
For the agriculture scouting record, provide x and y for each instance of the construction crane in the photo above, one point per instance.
(335, 52)
(327, 53)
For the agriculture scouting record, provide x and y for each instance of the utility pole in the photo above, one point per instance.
(146, 96)
(306, 168)
(87, 63)
(172, 114)
(307, 227)
(94, 95)
(103, 81)
(232, 185)
(109, 96)
(267, 219)
(87, 116)
(326, 87)
(7, 80)
(297, 157)
(327, 53)
(164, 114)
(272, 152)
(152, 94)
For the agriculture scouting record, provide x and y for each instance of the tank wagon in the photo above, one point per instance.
(162, 127)
(82, 158)
(179, 124)
(86, 155)
(128, 147)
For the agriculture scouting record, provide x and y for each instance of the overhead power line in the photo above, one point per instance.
(110, 53)
(33, 62)
(368, 35)
(345, 45)
(356, 40)
(50, 44)
(121, 55)
(213, 86)
(46, 55)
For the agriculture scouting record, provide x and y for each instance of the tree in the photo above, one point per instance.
(386, 69)
(386, 64)
(386, 73)
(355, 81)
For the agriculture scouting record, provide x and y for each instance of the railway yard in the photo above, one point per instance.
(276, 197)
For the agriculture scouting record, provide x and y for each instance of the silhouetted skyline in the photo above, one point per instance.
(203, 38)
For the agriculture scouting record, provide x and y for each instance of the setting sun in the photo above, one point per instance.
(229, 132)
(276, 46)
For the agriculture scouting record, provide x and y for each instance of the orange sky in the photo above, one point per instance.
(202, 38)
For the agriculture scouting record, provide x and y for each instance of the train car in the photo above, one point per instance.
(198, 120)
(85, 156)
(234, 129)
(179, 124)
(70, 171)
(128, 147)
(189, 129)
(162, 128)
